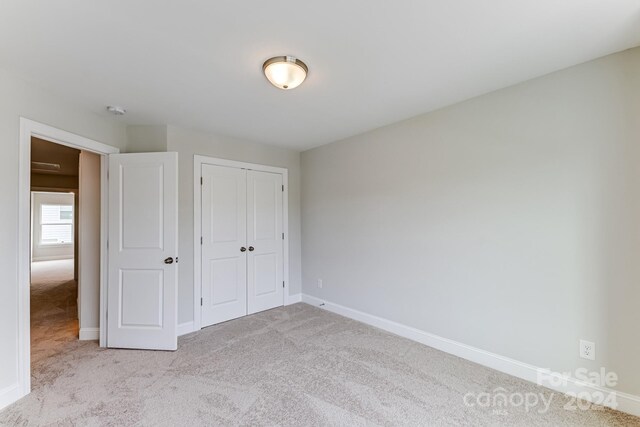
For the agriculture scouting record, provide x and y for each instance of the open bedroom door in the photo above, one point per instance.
(142, 250)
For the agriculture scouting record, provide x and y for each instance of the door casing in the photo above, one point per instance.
(198, 161)
(28, 129)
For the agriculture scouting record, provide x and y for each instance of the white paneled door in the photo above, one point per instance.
(242, 242)
(265, 241)
(224, 252)
(143, 249)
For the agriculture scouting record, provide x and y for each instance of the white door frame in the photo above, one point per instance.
(29, 128)
(198, 161)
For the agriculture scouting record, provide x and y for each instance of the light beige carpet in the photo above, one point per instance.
(291, 366)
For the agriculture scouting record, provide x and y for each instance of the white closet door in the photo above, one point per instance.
(224, 235)
(265, 284)
(143, 249)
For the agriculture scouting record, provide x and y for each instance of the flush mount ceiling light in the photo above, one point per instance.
(285, 72)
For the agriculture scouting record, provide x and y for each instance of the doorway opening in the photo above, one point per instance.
(54, 258)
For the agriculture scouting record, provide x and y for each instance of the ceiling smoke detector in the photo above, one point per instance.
(115, 110)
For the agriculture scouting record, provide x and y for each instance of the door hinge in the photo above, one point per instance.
(282, 236)
(107, 245)
(201, 181)
(200, 239)
(201, 302)
(283, 188)
(283, 283)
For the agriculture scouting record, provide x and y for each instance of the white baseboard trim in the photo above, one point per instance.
(623, 401)
(293, 299)
(9, 394)
(89, 334)
(185, 328)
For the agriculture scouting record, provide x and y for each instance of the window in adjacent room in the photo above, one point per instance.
(56, 224)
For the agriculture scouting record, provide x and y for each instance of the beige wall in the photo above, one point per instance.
(146, 139)
(58, 182)
(89, 200)
(509, 222)
(189, 143)
(26, 100)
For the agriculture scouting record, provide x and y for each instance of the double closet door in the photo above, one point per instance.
(242, 242)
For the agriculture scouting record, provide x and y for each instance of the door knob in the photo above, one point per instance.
(168, 260)
(251, 248)
(242, 249)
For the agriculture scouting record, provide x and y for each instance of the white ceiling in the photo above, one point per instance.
(197, 64)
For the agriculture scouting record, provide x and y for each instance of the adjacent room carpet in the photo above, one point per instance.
(54, 310)
(291, 366)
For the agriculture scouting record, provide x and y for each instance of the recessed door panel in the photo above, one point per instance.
(141, 285)
(224, 209)
(265, 274)
(264, 208)
(224, 234)
(225, 275)
(142, 185)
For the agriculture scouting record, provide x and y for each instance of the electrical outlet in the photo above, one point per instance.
(320, 283)
(587, 350)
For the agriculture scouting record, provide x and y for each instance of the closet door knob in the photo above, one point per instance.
(242, 249)
(168, 260)
(251, 248)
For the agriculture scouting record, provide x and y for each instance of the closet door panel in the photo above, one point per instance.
(224, 234)
(265, 241)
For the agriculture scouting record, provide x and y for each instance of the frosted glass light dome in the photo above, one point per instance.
(285, 72)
